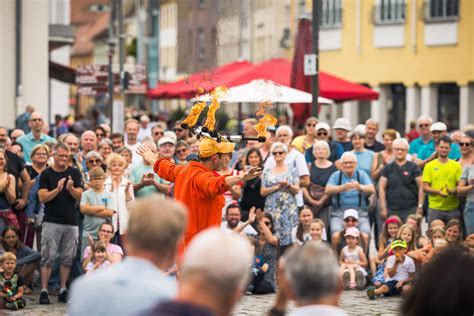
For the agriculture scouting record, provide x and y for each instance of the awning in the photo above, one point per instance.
(277, 70)
(62, 73)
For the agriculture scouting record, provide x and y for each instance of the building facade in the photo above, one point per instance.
(416, 53)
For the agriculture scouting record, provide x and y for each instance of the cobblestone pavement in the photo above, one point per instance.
(353, 302)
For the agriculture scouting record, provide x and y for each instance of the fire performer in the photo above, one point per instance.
(198, 185)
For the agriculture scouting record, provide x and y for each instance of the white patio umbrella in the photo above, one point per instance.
(258, 91)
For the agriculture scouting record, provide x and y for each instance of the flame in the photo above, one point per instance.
(193, 115)
(215, 104)
(265, 120)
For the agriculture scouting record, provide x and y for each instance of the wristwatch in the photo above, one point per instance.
(420, 205)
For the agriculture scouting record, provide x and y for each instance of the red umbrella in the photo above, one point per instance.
(187, 88)
(303, 45)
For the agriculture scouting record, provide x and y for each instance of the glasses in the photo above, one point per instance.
(424, 125)
(62, 156)
(278, 153)
(348, 162)
(181, 151)
(465, 144)
(322, 134)
(41, 154)
(99, 135)
(311, 125)
(106, 231)
(267, 223)
(94, 161)
(36, 120)
(283, 135)
(350, 220)
(159, 133)
(400, 149)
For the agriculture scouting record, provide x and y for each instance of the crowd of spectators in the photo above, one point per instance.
(77, 196)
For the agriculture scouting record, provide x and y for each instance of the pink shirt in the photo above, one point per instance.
(111, 249)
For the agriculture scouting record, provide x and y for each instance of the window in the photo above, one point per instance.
(201, 42)
(390, 12)
(331, 14)
(441, 10)
(448, 105)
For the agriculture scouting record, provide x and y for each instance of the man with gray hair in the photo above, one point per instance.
(349, 188)
(371, 130)
(134, 285)
(215, 273)
(310, 277)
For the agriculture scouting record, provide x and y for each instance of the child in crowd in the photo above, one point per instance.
(439, 245)
(95, 205)
(300, 234)
(259, 268)
(11, 284)
(427, 252)
(353, 261)
(454, 232)
(389, 233)
(99, 259)
(351, 219)
(316, 229)
(408, 234)
(400, 270)
(414, 220)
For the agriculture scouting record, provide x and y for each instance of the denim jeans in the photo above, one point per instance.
(469, 218)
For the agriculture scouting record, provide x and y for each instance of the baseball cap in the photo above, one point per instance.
(166, 140)
(171, 135)
(439, 127)
(342, 123)
(352, 231)
(398, 243)
(351, 213)
(322, 125)
(209, 147)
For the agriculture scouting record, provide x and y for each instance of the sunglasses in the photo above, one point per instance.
(181, 151)
(99, 135)
(465, 144)
(277, 153)
(106, 231)
(424, 125)
(350, 220)
(94, 160)
(159, 133)
(322, 134)
(267, 223)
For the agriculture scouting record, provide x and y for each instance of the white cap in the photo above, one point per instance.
(342, 123)
(359, 129)
(438, 126)
(166, 140)
(322, 125)
(171, 135)
(351, 213)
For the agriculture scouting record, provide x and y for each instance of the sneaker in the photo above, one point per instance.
(44, 298)
(371, 293)
(361, 282)
(346, 277)
(11, 305)
(63, 296)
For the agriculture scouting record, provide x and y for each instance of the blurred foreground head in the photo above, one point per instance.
(437, 292)
(155, 227)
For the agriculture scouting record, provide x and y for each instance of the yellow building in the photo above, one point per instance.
(419, 54)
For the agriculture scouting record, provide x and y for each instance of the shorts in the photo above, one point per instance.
(392, 290)
(58, 239)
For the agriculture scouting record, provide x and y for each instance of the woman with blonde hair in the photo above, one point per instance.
(122, 192)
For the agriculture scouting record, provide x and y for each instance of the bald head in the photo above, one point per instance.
(36, 122)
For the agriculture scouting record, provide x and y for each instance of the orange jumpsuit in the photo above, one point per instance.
(200, 189)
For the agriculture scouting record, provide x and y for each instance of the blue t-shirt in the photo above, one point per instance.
(91, 222)
(427, 150)
(416, 145)
(364, 161)
(349, 199)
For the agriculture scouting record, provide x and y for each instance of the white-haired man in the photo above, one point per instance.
(309, 276)
(349, 189)
(214, 274)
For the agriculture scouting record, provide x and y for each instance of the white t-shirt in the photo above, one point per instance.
(294, 159)
(403, 270)
(306, 236)
(248, 230)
